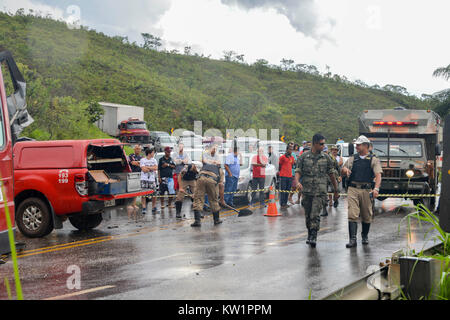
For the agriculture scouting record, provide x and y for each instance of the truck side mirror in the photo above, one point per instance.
(438, 149)
(351, 149)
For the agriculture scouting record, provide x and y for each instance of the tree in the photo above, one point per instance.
(187, 50)
(150, 41)
(94, 111)
(443, 72)
(240, 58)
(228, 55)
(286, 64)
(313, 70)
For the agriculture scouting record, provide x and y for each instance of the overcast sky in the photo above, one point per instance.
(380, 42)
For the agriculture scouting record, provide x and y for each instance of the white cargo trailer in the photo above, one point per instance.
(115, 114)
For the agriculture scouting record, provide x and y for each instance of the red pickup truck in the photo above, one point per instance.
(54, 181)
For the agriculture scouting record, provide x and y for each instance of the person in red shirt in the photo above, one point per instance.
(259, 163)
(285, 164)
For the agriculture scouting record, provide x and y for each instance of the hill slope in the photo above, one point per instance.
(68, 69)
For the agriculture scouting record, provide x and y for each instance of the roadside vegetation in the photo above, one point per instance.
(427, 219)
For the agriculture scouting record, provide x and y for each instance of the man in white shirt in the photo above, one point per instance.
(149, 169)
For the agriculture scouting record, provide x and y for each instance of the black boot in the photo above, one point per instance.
(216, 218)
(309, 237)
(365, 233)
(352, 229)
(313, 238)
(178, 206)
(324, 212)
(197, 219)
(336, 203)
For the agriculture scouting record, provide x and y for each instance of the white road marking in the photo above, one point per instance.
(162, 258)
(78, 293)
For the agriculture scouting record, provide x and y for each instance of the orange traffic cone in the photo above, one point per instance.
(272, 210)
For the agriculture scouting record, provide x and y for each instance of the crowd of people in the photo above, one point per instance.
(310, 171)
(175, 174)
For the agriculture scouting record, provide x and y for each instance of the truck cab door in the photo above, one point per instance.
(14, 118)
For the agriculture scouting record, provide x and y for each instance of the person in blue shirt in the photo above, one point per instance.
(233, 169)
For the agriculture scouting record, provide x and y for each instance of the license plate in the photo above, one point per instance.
(110, 203)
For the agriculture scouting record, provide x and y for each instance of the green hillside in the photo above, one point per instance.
(67, 70)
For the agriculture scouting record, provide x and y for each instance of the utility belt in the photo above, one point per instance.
(215, 177)
(367, 186)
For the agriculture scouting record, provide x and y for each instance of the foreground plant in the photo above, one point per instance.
(423, 214)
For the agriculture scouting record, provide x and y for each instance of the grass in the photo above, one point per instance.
(423, 215)
(12, 244)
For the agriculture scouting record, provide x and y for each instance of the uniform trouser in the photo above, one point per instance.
(184, 184)
(313, 206)
(359, 205)
(258, 183)
(206, 186)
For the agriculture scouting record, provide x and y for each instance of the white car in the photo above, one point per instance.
(246, 177)
(279, 147)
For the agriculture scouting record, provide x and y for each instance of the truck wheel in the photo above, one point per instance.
(86, 222)
(33, 218)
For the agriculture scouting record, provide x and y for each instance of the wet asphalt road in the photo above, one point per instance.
(253, 257)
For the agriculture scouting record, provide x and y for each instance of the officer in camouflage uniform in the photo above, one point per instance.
(333, 154)
(314, 167)
(208, 183)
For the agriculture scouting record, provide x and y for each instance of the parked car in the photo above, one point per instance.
(279, 147)
(59, 180)
(246, 177)
(191, 141)
(165, 141)
(194, 154)
(154, 135)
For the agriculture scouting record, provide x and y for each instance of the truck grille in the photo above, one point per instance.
(143, 139)
(393, 173)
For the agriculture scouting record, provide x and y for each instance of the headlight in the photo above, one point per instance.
(410, 173)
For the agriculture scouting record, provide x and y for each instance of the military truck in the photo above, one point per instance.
(410, 163)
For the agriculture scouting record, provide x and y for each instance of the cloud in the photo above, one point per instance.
(13, 5)
(113, 18)
(303, 15)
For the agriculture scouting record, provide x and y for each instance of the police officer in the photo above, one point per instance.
(186, 178)
(209, 178)
(314, 167)
(362, 169)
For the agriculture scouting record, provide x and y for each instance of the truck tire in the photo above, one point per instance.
(86, 222)
(33, 218)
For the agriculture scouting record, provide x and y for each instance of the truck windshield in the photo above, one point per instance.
(136, 125)
(403, 149)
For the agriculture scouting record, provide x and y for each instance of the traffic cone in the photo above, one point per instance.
(272, 210)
